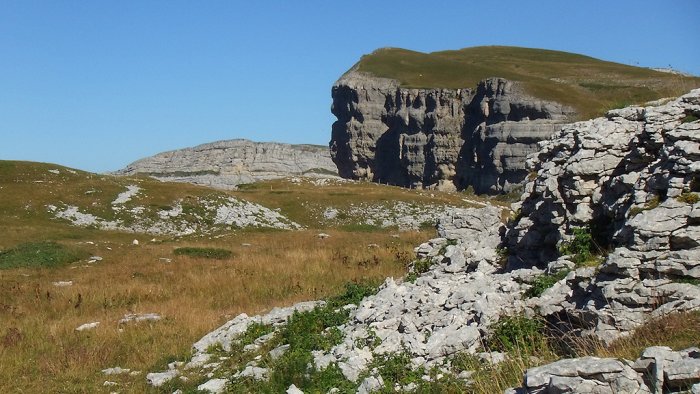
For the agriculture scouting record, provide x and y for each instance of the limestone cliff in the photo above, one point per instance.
(445, 138)
(225, 164)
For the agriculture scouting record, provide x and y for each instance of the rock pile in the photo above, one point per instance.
(404, 215)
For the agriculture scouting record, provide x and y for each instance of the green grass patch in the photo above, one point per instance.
(362, 228)
(44, 254)
(689, 118)
(544, 282)
(687, 280)
(517, 333)
(206, 253)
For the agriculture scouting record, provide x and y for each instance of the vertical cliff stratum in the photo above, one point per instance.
(469, 117)
(438, 138)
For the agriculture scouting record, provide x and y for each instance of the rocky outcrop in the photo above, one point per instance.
(658, 370)
(630, 180)
(444, 138)
(225, 164)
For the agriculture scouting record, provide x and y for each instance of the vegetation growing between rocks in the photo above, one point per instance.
(544, 282)
(306, 332)
(688, 198)
(582, 247)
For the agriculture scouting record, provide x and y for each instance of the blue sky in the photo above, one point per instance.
(98, 84)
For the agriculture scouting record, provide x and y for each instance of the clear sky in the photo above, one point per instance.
(98, 84)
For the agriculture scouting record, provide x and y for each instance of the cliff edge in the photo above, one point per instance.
(469, 118)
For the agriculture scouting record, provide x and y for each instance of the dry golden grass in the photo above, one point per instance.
(39, 347)
(42, 352)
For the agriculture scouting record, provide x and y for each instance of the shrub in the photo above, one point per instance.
(39, 254)
(397, 368)
(206, 253)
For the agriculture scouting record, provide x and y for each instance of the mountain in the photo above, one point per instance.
(469, 118)
(226, 164)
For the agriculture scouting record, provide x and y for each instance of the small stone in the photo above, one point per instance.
(115, 371)
(139, 317)
(294, 390)
(87, 326)
(157, 379)
(215, 386)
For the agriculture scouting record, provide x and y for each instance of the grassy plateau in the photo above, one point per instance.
(591, 86)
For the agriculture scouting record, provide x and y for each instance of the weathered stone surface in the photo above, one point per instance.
(214, 386)
(629, 177)
(658, 370)
(584, 375)
(438, 138)
(225, 164)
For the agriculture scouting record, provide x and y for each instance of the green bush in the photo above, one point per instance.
(39, 255)
(581, 246)
(206, 253)
(396, 368)
(354, 293)
(516, 333)
(418, 268)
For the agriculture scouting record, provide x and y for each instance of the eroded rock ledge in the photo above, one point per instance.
(444, 138)
(226, 164)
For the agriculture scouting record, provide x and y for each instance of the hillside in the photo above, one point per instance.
(591, 86)
(68, 260)
(227, 164)
(592, 285)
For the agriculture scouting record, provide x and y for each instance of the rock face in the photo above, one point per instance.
(225, 164)
(631, 179)
(658, 370)
(477, 136)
